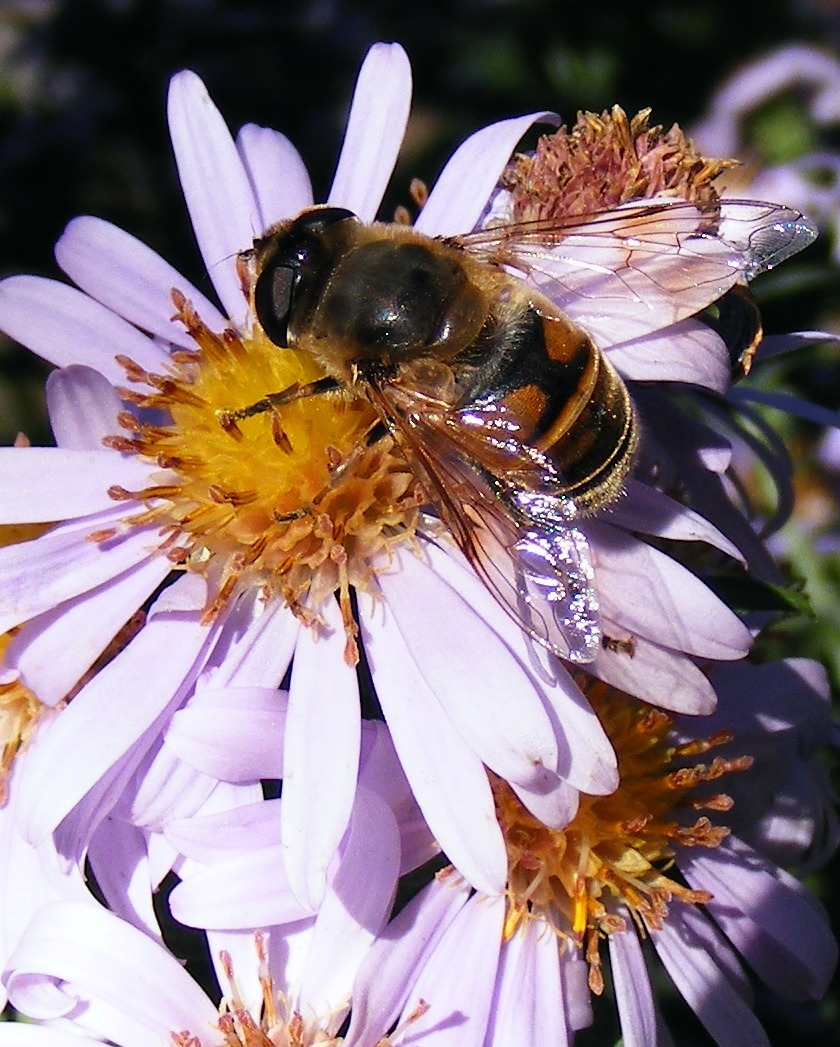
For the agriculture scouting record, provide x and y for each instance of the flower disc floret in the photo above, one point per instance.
(291, 499)
(618, 848)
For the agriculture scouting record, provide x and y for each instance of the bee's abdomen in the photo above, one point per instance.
(567, 399)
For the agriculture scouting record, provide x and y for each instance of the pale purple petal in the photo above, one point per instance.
(648, 510)
(55, 649)
(42, 484)
(633, 994)
(355, 908)
(74, 951)
(792, 405)
(466, 183)
(381, 772)
(65, 326)
(278, 174)
(653, 673)
(375, 129)
(31, 877)
(235, 733)
(459, 1008)
(221, 835)
(528, 1005)
(768, 916)
(16, 1034)
(688, 351)
(70, 758)
(655, 597)
(492, 700)
(224, 213)
(130, 278)
(447, 778)
(37, 575)
(82, 406)
(119, 861)
(553, 802)
(320, 754)
(707, 979)
(163, 788)
(255, 647)
(585, 758)
(247, 890)
(574, 975)
(384, 986)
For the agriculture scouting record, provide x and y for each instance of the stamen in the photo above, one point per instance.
(618, 850)
(258, 440)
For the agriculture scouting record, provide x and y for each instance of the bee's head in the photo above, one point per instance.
(294, 262)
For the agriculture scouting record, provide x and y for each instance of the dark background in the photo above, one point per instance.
(82, 130)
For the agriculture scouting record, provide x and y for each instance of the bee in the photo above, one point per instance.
(512, 419)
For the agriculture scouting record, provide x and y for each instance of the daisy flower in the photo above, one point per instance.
(286, 972)
(291, 532)
(663, 860)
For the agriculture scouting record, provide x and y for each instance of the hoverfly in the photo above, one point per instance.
(512, 419)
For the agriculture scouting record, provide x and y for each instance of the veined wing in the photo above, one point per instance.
(643, 266)
(504, 506)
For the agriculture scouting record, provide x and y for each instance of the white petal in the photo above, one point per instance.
(653, 596)
(633, 994)
(355, 908)
(383, 988)
(465, 184)
(224, 213)
(235, 734)
(554, 802)
(248, 890)
(124, 274)
(73, 950)
(320, 755)
(528, 1007)
(654, 674)
(586, 758)
(36, 576)
(42, 484)
(649, 511)
(278, 174)
(120, 864)
(83, 407)
(375, 129)
(64, 326)
(767, 914)
(16, 1034)
(705, 980)
(688, 351)
(221, 835)
(447, 778)
(256, 645)
(478, 680)
(459, 1008)
(72, 752)
(53, 650)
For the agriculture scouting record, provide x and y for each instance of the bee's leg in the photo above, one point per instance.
(378, 431)
(228, 419)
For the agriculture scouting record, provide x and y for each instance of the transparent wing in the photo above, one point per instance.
(503, 504)
(644, 265)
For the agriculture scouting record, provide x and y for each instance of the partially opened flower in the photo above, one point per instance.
(298, 499)
(661, 859)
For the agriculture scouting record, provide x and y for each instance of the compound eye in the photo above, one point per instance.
(299, 261)
(273, 301)
(317, 220)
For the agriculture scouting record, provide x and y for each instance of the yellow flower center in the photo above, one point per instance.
(618, 848)
(296, 499)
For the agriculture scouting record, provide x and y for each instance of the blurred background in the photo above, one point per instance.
(82, 130)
